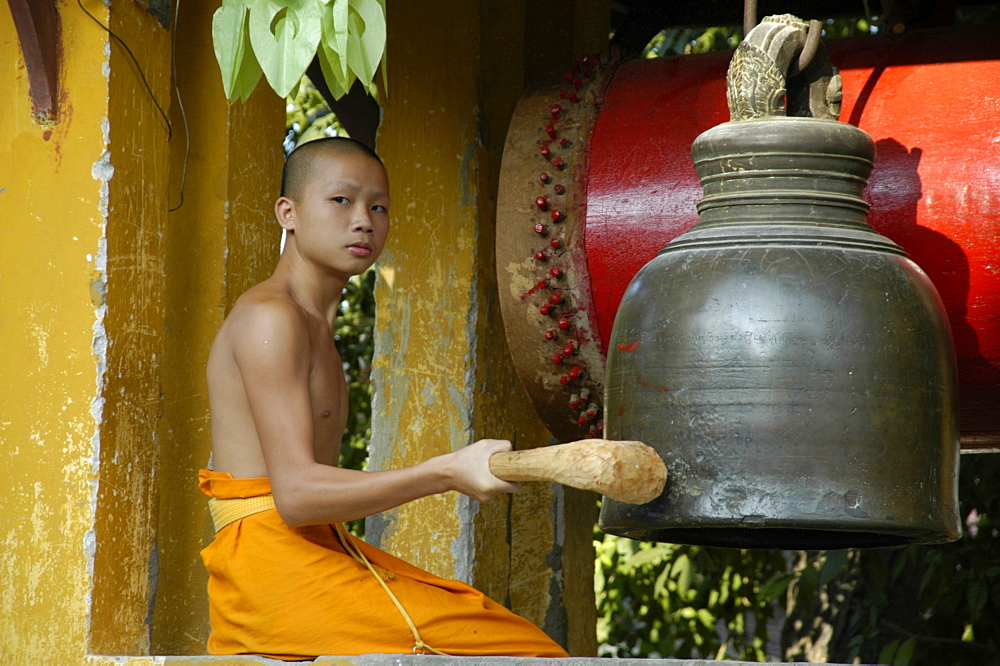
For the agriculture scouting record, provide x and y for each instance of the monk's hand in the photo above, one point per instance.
(472, 475)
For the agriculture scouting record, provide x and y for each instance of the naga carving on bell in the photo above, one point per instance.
(793, 367)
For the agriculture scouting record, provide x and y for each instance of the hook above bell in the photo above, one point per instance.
(793, 367)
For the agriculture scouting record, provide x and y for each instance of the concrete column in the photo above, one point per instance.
(135, 174)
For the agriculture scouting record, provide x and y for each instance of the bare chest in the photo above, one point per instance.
(328, 394)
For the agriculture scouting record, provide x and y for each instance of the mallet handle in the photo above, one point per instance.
(627, 471)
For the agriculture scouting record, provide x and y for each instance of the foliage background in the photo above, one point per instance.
(916, 605)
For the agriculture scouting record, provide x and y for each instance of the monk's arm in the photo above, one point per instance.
(316, 493)
(274, 359)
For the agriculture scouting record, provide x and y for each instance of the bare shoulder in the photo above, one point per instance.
(264, 316)
(260, 357)
(265, 333)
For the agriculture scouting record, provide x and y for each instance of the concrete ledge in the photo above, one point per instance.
(404, 660)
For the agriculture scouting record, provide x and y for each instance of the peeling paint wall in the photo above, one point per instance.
(52, 257)
(109, 304)
(442, 371)
(125, 567)
(427, 285)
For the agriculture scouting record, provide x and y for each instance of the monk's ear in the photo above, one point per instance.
(284, 211)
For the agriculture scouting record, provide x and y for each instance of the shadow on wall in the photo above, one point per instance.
(944, 261)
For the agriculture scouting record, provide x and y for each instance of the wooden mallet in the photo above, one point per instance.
(624, 470)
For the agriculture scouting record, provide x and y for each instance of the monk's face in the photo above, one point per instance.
(341, 220)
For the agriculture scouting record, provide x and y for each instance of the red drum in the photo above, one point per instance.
(618, 148)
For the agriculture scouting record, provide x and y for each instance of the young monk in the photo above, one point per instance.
(285, 579)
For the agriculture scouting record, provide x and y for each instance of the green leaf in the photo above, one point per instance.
(285, 35)
(250, 71)
(329, 63)
(885, 656)
(355, 61)
(835, 560)
(724, 591)
(776, 586)
(661, 585)
(334, 40)
(644, 557)
(905, 652)
(365, 48)
(228, 33)
(683, 571)
(978, 594)
(384, 61)
(295, 89)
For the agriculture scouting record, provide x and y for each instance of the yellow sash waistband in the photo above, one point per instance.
(225, 511)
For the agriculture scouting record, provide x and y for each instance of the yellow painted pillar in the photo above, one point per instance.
(88, 348)
(108, 305)
(52, 259)
(443, 374)
(221, 238)
(135, 174)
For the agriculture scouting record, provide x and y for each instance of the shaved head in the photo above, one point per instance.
(300, 165)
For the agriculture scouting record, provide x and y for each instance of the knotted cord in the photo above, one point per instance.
(419, 646)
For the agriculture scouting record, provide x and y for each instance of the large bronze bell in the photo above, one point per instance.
(793, 367)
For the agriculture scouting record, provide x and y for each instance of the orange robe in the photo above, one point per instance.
(294, 593)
